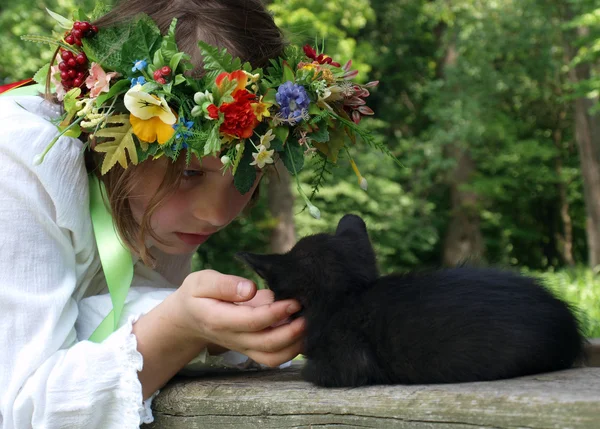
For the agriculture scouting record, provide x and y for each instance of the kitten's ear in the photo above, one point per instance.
(262, 264)
(352, 224)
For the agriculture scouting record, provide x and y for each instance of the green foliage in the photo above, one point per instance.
(503, 96)
(21, 59)
(217, 61)
(580, 288)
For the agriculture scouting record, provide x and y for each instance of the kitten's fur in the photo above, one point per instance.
(453, 325)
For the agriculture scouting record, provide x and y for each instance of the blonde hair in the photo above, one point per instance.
(245, 28)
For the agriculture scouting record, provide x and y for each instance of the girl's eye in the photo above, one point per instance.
(188, 174)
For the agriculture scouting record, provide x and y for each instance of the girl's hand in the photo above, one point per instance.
(207, 312)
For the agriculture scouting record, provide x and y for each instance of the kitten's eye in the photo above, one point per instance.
(190, 174)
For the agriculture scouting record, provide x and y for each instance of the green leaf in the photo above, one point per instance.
(48, 40)
(269, 96)
(282, 133)
(277, 144)
(321, 134)
(119, 46)
(217, 61)
(70, 100)
(62, 21)
(332, 146)
(74, 131)
(238, 159)
(122, 141)
(213, 144)
(293, 156)
(245, 175)
(159, 60)
(288, 73)
(117, 88)
(176, 59)
(42, 74)
(179, 79)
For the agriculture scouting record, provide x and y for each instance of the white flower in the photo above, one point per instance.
(262, 157)
(267, 138)
(146, 106)
(225, 160)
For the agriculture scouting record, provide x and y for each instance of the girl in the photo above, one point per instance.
(50, 375)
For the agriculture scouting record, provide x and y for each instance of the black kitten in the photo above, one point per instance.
(454, 325)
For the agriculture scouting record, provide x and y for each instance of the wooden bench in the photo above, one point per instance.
(280, 399)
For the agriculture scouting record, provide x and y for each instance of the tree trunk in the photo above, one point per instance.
(281, 206)
(564, 239)
(587, 136)
(463, 240)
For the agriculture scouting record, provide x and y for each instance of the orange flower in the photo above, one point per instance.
(240, 77)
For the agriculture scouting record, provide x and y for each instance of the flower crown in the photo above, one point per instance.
(125, 88)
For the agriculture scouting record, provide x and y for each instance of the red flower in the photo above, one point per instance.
(240, 119)
(321, 59)
(213, 111)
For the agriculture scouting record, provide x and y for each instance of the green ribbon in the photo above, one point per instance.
(116, 259)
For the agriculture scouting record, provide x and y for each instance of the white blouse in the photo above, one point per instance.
(50, 281)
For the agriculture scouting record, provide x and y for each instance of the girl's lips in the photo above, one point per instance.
(192, 239)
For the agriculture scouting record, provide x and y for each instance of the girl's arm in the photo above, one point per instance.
(200, 312)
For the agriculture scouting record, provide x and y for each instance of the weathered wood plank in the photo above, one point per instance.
(594, 353)
(280, 399)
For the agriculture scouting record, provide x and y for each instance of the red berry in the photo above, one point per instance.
(81, 58)
(70, 39)
(72, 73)
(77, 25)
(64, 75)
(165, 71)
(78, 42)
(161, 80)
(94, 29)
(66, 55)
(157, 75)
(77, 34)
(71, 62)
(85, 26)
(62, 66)
(80, 75)
(77, 82)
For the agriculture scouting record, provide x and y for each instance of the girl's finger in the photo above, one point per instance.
(277, 358)
(243, 318)
(268, 340)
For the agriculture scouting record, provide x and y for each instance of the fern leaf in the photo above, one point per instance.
(217, 61)
(120, 132)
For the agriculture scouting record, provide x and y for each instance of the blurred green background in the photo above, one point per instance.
(491, 106)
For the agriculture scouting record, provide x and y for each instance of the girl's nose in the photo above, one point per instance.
(214, 206)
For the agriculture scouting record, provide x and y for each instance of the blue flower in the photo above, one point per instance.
(292, 99)
(135, 80)
(139, 65)
(182, 127)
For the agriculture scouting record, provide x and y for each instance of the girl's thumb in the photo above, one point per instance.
(212, 284)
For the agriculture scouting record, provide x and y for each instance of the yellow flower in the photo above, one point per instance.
(261, 109)
(151, 130)
(151, 117)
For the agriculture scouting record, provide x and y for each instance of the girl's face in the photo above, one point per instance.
(205, 203)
